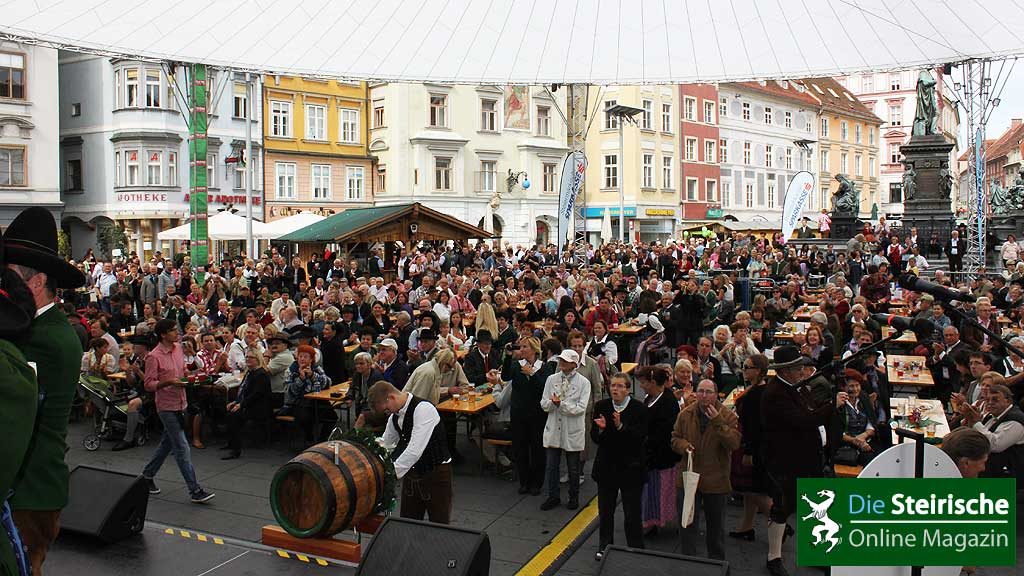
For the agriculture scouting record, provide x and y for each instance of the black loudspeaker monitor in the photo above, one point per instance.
(403, 546)
(108, 505)
(621, 560)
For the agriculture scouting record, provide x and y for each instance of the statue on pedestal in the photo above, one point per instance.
(927, 110)
(909, 182)
(999, 198)
(845, 200)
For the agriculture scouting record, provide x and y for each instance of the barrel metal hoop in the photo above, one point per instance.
(350, 483)
(324, 482)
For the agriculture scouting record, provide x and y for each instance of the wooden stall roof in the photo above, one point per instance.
(382, 223)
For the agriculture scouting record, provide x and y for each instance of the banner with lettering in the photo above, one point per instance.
(799, 191)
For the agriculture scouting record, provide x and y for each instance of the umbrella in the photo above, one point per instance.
(290, 224)
(606, 226)
(220, 226)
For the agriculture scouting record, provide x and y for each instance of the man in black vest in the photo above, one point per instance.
(1003, 426)
(420, 451)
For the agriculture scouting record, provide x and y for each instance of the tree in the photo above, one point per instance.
(110, 236)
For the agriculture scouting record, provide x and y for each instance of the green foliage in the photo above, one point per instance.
(110, 237)
(367, 439)
(63, 244)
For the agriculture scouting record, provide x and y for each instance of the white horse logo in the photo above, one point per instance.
(827, 529)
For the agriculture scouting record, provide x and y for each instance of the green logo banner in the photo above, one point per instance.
(906, 522)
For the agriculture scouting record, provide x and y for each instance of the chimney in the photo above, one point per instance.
(1015, 122)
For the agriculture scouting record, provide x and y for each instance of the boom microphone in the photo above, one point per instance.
(917, 325)
(911, 282)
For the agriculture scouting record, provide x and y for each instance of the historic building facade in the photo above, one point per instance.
(699, 189)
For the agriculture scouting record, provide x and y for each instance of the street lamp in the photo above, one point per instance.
(513, 178)
(624, 114)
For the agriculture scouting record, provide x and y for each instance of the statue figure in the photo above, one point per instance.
(495, 201)
(845, 200)
(945, 183)
(927, 110)
(999, 199)
(1018, 182)
(909, 182)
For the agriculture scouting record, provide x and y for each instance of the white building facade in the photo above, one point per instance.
(451, 147)
(121, 129)
(767, 133)
(29, 166)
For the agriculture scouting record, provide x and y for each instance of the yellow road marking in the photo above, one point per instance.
(321, 561)
(185, 534)
(282, 554)
(561, 542)
(302, 557)
(202, 537)
(218, 541)
(169, 531)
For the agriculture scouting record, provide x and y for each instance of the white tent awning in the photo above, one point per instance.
(221, 226)
(290, 224)
(530, 42)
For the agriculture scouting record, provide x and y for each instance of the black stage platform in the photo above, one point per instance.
(165, 551)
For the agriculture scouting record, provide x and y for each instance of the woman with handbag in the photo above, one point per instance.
(659, 496)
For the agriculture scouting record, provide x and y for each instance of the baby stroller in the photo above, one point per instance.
(111, 415)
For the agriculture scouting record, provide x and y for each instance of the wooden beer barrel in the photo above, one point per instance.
(312, 497)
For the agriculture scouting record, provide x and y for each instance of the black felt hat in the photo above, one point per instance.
(31, 241)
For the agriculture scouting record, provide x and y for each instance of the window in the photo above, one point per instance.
(789, 158)
(211, 171)
(439, 112)
(240, 101)
(788, 119)
(726, 194)
(378, 114)
(691, 150)
(488, 176)
(771, 196)
(824, 127)
(154, 167)
(12, 166)
(382, 178)
(118, 89)
(844, 131)
(723, 108)
(895, 192)
(746, 111)
(746, 153)
(442, 174)
(691, 189)
(768, 116)
(666, 173)
(856, 134)
(12, 76)
(280, 119)
(76, 109)
(769, 161)
(748, 195)
(152, 88)
(894, 153)
(844, 162)
(648, 171)
(666, 118)
(723, 151)
(72, 175)
(354, 188)
(807, 161)
(867, 83)
(349, 129)
(172, 168)
(871, 136)
(238, 176)
(709, 112)
(690, 108)
(543, 121)
(645, 117)
(131, 87)
(489, 115)
(548, 177)
(316, 122)
(894, 82)
(610, 122)
(712, 190)
(871, 166)
(856, 165)
(895, 114)
(284, 174)
(320, 180)
(611, 171)
(808, 126)
(118, 173)
(709, 151)
(131, 161)
(824, 161)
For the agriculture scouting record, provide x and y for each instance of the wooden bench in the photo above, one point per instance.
(844, 471)
(497, 443)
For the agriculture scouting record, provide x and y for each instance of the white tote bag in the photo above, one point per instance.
(690, 481)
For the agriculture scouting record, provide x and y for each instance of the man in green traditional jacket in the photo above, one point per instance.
(42, 491)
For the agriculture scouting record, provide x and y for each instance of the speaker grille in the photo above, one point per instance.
(618, 560)
(404, 546)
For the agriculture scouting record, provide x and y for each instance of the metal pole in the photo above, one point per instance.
(620, 174)
(250, 249)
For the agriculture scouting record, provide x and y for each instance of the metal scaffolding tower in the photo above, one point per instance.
(577, 135)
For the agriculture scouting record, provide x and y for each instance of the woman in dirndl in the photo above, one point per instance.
(748, 473)
(658, 501)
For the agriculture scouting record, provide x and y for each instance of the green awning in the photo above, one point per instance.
(344, 223)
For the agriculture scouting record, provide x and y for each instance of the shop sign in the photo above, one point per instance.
(660, 212)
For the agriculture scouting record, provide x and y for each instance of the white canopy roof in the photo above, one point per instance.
(531, 41)
(220, 226)
(290, 224)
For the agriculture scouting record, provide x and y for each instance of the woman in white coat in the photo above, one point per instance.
(565, 397)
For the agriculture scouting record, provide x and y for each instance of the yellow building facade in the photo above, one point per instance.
(315, 137)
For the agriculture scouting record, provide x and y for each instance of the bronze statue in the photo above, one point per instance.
(909, 182)
(945, 183)
(927, 110)
(999, 198)
(845, 200)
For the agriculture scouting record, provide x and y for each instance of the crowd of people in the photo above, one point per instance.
(207, 349)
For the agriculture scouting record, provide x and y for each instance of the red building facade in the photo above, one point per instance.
(699, 146)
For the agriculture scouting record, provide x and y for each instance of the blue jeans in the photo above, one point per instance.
(173, 441)
(572, 460)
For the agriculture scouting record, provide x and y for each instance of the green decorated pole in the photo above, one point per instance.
(197, 170)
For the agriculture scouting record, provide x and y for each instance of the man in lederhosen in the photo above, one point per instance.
(416, 436)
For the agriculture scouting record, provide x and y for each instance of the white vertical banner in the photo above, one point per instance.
(800, 189)
(573, 169)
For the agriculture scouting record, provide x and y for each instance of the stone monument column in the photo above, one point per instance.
(927, 178)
